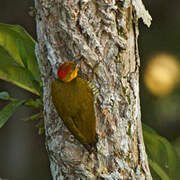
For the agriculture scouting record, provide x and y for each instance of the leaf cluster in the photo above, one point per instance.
(18, 65)
(163, 160)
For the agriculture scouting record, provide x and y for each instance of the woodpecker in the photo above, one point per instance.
(74, 103)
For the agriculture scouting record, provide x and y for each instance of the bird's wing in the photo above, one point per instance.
(85, 118)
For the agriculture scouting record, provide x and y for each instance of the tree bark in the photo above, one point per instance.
(101, 34)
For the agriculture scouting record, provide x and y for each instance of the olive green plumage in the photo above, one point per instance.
(74, 103)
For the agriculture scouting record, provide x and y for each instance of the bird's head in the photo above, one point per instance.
(67, 71)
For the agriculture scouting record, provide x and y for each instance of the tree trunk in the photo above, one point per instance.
(101, 36)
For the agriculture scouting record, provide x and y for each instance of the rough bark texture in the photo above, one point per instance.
(101, 34)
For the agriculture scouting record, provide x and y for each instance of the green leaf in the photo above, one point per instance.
(163, 159)
(146, 128)
(40, 125)
(4, 95)
(33, 103)
(158, 170)
(22, 52)
(41, 130)
(18, 63)
(33, 117)
(14, 73)
(8, 110)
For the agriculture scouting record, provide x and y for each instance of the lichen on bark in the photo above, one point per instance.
(101, 34)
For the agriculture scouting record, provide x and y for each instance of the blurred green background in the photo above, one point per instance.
(22, 153)
(161, 110)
